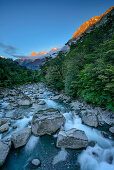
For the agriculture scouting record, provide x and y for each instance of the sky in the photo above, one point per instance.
(39, 25)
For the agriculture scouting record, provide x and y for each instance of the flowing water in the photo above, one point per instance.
(99, 157)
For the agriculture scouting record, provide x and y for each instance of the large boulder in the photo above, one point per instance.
(4, 121)
(47, 122)
(73, 139)
(4, 150)
(4, 128)
(25, 100)
(21, 138)
(90, 119)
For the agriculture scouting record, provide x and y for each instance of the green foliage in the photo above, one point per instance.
(12, 74)
(87, 70)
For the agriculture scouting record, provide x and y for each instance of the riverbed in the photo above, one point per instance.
(100, 156)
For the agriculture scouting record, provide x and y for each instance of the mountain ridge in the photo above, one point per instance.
(87, 24)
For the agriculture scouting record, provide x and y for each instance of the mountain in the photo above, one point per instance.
(86, 25)
(2, 57)
(41, 53)
(33, 64)
(44, 52)
(86, 71)
(37, 59)
(54, 49)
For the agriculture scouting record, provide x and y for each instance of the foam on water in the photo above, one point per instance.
(21, 124)
(97, 158)
(31, 143)
(51, 103)
(61, 156)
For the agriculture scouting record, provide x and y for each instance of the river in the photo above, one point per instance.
(98, 157)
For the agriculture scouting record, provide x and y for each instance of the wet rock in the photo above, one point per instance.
(13, 92)
(21, 138)
(73, 139)
(107, 117)
(9, 107)
(35, 162)
(4, 128)
(25, 100)
(4, 150)
(92, 143)
(42, 102)
(78, 165)
(14, 127)
(57, 97)
(104, 134)
(62, 97)
(10, 114)
(47, 122)
(111, 129)
(90, 119)
(4, 121)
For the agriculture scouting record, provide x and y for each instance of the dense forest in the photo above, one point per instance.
(87, 71)
(12, 74)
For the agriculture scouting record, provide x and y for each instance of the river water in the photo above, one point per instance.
(99, 157)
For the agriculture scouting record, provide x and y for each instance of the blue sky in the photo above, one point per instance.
(38, 25)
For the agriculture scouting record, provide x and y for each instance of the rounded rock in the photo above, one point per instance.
(35, 162)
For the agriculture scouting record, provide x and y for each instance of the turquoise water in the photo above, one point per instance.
(45, 150)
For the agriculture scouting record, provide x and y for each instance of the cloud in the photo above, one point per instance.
(8, 49)
(20, 56)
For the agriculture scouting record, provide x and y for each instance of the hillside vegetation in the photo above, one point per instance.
(12, 74)
(87, 70)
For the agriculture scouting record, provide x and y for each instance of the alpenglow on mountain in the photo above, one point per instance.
(86, 25)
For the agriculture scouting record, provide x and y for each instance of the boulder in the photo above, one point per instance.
(57, 97)
(90, 119)
(62, 97)
(35, 162)
(4, 128)
(4, 121)
(73, 139)
(47, 122)
(21, 138)
(4, 150)
(108, 117)
(111, 129)
(25, 100)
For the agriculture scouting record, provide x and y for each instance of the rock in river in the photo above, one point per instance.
(4, 121)
(35, 162)
(73, 139)
(111, 129)
(4, 128)
(21, 138)
(25, 100)
(4, 150)
(47, 122)
(90, 119)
